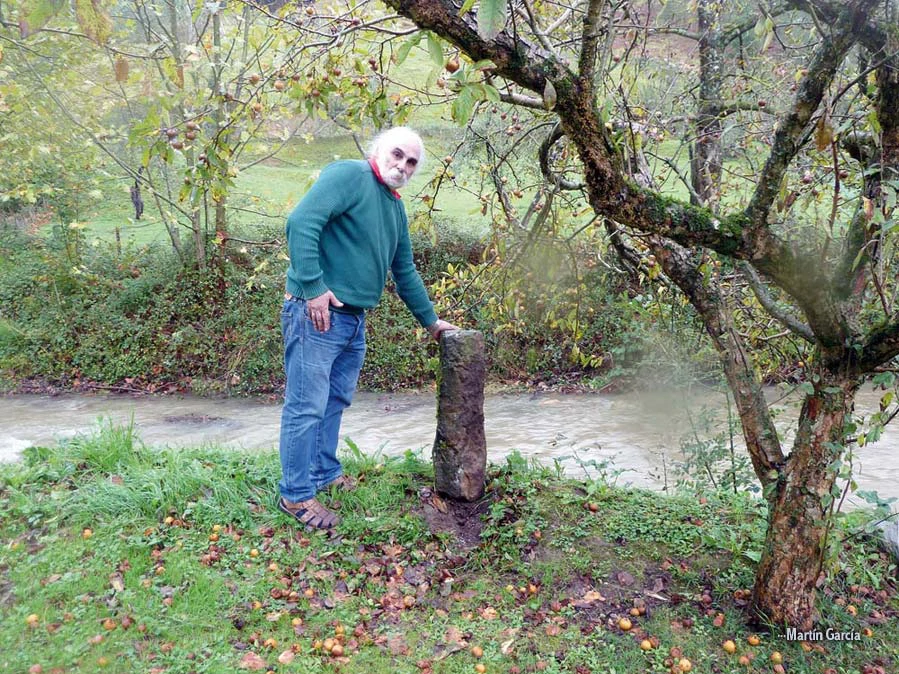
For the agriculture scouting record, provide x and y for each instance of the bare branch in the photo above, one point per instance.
(522, 100)
(563, 19)
(628, 255)
(589, 45)
(530, 16)
(762, 443)
(71, 33)
(792, 125)
(794, 325)
(828, 12)
(674, 30)
(676, 170)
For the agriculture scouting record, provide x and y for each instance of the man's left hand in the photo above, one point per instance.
(436, 329)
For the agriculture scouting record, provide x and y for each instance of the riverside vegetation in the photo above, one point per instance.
(120, 558)
(83, 315)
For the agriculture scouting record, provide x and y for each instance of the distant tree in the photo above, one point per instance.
(181, 96)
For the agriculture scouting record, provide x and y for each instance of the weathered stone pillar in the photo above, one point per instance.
(460, 449)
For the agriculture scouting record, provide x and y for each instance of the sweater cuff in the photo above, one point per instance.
(314, 289)
(428, 319)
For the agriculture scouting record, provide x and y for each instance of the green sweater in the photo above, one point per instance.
(345, 234)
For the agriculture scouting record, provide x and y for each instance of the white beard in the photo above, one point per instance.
(394, 178)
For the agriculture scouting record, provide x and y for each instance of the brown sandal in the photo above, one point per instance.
(341, 483)
(310, 513)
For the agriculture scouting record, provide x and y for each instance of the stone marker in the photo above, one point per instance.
(889, 537)
(460, 448)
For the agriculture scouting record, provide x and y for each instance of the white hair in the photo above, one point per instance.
(397, 135)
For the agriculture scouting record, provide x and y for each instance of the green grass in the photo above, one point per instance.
(107, 565)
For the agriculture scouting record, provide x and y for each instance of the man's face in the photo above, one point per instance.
(397, 162)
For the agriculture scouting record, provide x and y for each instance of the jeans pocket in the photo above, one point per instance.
(289, 320)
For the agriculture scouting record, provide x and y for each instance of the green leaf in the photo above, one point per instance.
(41, 12)
(435, 49)
(753, 555)
(492, 18)
(466, 7)
(403, 52)
(549, 95)
(487, 64)
(874, 122)
(886, 379)
(759, 28)
(463, 106)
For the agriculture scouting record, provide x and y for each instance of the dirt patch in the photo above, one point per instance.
(456, 518)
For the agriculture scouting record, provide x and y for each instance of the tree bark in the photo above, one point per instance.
(792, 559)
(705, 162)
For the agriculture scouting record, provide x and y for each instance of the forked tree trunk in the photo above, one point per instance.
(792, 560)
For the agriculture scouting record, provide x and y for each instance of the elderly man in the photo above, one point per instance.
(343, 237)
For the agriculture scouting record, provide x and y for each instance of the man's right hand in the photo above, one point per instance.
(319, 310)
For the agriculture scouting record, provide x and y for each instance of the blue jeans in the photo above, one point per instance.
(322, 369)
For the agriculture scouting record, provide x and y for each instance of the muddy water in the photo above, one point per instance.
(636, 435)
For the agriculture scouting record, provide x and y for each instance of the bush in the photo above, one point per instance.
(72, 314)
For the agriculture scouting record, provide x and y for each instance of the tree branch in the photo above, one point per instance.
(792, 324)
(828, 12)
(674, 30)
(610, 193)
(524, 101)
(792, 125)
(589, 45)
(515, 58)
(557, 180)
(529, 15)
(880, 348)
(759, 432)
(735, 30)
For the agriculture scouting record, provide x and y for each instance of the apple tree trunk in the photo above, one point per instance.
(803, 496)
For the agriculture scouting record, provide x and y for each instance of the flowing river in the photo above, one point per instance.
(636, 436)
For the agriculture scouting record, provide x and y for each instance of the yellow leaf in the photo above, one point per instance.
(823, 134)
(121, 69)
(868, 207)
(93, 20)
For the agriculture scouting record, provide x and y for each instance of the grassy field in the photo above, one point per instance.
(118, 558)
(265, 193)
